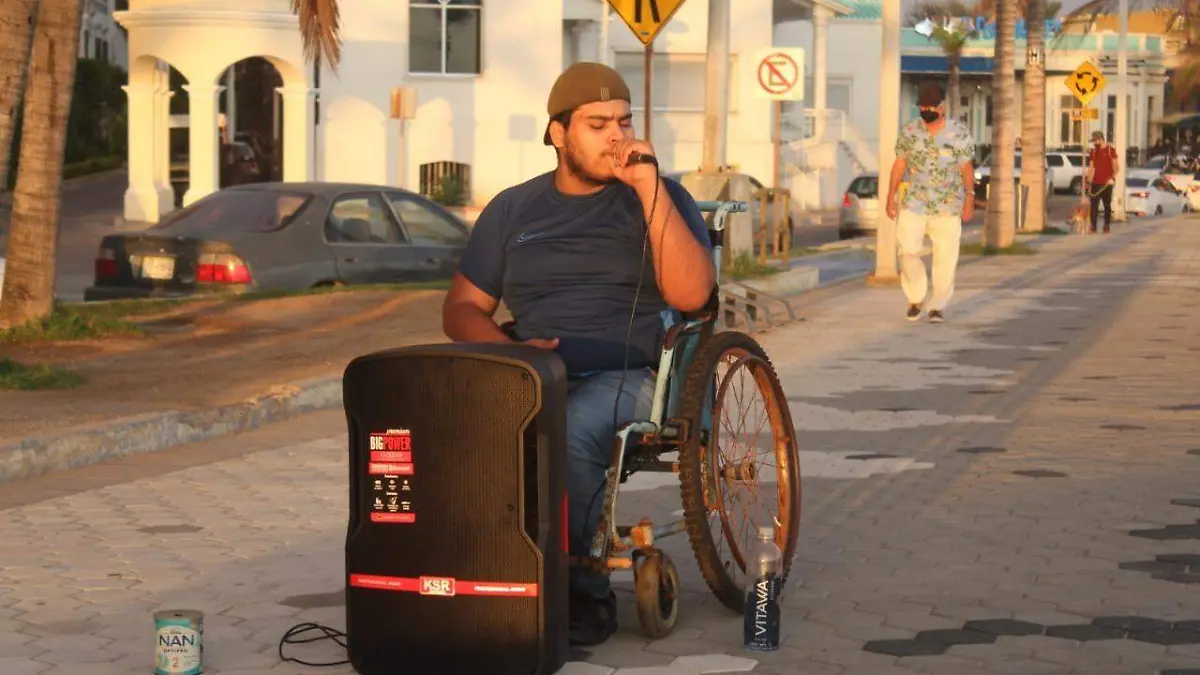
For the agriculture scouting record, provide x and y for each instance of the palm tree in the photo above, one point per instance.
(1000, 230)
(16, 37)
(29, 276)
(950, 33)
(1033, 119)
(320, 24)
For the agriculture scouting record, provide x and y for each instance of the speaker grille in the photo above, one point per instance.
(474, 492)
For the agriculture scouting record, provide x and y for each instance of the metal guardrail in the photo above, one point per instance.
(751, 304)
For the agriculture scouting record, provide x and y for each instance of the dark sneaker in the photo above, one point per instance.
(936, 316)
(1107, 229)
(592, 620)
(914, 312)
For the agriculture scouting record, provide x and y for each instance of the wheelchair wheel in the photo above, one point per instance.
(657, 591)
(727, 482)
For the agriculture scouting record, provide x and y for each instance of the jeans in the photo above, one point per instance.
(590, 438)
(1098, 199)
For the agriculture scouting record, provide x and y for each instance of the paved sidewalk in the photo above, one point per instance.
(1015, 466)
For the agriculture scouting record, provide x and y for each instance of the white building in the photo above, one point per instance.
(854, 85)
(99, 35)
(482, 73)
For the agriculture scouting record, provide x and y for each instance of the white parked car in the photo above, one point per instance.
(1, 276)
(1192, 194)
(1066, 170)
(983, 175)
(1153, 196)
(1180, 179)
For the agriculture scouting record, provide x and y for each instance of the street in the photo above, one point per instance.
(1011, 492)
(90, 210)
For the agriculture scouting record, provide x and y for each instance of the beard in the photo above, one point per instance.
(576, 166)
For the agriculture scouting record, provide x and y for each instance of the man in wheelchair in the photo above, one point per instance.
(591, 260)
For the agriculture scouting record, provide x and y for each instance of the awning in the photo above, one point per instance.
(1178, 119)
(921, 63)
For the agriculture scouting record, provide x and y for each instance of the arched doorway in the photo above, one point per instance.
(251, 123)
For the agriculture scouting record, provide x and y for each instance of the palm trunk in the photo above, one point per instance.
(16, 37)
(1000, 231)
(29, 275)
(1033, 131)
(953, 96)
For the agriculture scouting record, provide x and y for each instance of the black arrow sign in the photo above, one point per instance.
(1086, 83)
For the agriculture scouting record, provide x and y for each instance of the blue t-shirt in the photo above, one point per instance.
(567, 267)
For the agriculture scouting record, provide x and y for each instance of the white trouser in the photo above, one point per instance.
(945, 232)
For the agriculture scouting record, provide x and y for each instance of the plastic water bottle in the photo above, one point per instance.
(761, 630)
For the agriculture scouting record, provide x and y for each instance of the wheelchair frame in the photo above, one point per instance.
(610, 540)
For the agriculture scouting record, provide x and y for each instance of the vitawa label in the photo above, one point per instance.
(761, 630)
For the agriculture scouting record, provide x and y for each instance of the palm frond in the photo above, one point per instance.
(320, 30)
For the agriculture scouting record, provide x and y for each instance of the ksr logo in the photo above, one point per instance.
(437, 586)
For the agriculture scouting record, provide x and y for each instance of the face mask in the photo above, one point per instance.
(930, 115)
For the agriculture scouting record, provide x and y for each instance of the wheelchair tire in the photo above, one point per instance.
(699, 479)
(657, 591)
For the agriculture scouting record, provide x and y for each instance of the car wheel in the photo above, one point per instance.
(1076, 186)
(1158, 210)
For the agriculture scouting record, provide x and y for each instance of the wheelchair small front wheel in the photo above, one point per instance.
(656, 585)
(749, 449)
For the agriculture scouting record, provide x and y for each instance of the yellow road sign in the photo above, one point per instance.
(645, 18)
(1080, 114)
(1085, 82)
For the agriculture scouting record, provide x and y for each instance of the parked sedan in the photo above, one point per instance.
(1146, 196)
(286, 237)
(859, 213)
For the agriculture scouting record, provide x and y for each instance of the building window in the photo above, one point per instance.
(444, 37)
(1111, 117)
(676, 84)
(1070, 132)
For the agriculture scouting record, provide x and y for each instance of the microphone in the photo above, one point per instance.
(641, 158)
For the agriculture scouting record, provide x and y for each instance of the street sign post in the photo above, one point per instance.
(1085, 83)
(779, 74)
(646, 18)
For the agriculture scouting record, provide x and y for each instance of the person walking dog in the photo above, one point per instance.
(1102, 178)
(935, 158)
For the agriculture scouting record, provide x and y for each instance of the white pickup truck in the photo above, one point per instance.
(1064, 171)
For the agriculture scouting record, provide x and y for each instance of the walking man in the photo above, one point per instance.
(934, 156)
(1102, 177)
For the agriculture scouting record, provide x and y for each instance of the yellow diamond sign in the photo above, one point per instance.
(645, 18)
(1085, 82)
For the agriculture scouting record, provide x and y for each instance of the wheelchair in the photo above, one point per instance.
(702, 374)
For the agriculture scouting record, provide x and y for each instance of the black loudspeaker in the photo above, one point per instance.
(456, 550)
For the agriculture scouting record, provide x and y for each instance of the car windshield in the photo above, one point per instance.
(231, 211)
(1075, 160)
(865, 187)
(1136, 182)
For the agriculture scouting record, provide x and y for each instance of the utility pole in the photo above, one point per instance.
(1121, 135)
(716, 87)
(889, 126)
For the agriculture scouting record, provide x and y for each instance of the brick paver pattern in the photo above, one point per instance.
(992, 467)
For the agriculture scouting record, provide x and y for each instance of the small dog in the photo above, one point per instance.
(1081, 219)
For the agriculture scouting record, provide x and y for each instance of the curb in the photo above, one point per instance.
(72, 448)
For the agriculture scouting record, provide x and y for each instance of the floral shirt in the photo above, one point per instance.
(934, 172)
